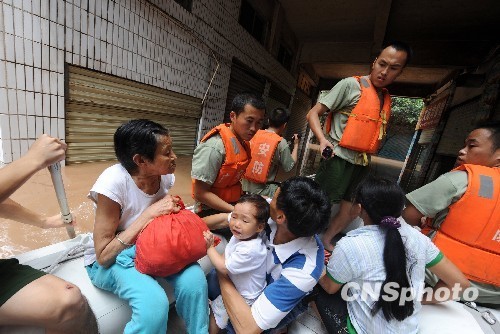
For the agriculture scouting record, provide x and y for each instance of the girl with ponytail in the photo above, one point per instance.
(382, 265)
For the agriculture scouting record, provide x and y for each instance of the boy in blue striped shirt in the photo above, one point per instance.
(299, 210)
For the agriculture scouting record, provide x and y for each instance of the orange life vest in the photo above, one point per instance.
(366, 125)
(227, 184)
(470, 234)
(263, 145)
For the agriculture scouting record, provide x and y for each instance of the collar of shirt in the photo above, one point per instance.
(284, 251)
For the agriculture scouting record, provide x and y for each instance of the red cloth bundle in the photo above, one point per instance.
(170, 242)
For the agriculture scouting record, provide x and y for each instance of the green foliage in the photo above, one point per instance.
(405, 111)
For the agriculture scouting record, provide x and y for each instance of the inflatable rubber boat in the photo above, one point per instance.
(65, 260)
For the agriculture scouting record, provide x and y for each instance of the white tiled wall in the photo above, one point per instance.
(154, 42)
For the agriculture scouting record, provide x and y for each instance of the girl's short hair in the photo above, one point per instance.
(260, 204)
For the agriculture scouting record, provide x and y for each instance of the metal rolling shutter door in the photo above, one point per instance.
(98, 103)
(242, 79)
(298, 123)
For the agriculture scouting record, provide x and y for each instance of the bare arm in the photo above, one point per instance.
(107, 219)
(315, 125)
(411, 215)
(449, 276)
(328, 284)
(295, 147)
(203, 194)
(44, 152)
(217, 221)
(10, 209)
(237, 309)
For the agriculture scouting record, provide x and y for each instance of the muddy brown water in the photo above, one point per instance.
(38, 195)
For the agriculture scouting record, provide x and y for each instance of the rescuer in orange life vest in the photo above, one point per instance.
(269, 151)
(221, 158)
(463, 210)
(359, 111)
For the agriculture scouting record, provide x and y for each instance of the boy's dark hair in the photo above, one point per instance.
(260, 204)
(400, 46)
(241, 100)
(137, 136)
(278, 117)
(494, 128)
(381, 198)
(305, 204)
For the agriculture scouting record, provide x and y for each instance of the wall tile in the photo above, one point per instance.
(60, 107)
(31, 127)
(29, 78)
(23, 126)
(61, 131)
(38, 104)
(53, 34)
(30, 103)
(20, 77)
(28, 29)
(21, 102)
(10, 75)
(44, 9)
(76, 42)
(37, 55)
(44, 26)
(37, 30)
(3, 97)
(45, 57)
(76, 18)
(53, 106)
(46, 126)
(54, 127)
(60, 61)
(53, 10)
(61, 10)
(36, 7)
(45, 82)
(37, 79)
(28, 51)
(8, 18)
(53, 82)
(19, 49)
(2, 40)
(14, 126)
(10, 52)
(46, 105)
(4, 126)
(69, 16)
(38, 126)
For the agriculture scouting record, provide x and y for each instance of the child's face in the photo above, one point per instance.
(243, 224)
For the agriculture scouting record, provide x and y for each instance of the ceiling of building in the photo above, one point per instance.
(341, 38)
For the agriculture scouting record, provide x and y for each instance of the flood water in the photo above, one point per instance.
(38, 195)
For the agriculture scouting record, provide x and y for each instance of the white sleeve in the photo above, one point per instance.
(110, 184)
